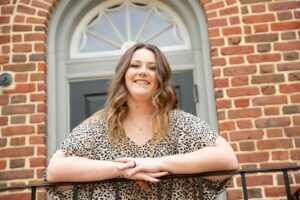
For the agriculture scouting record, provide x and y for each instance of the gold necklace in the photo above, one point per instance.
(140, 128)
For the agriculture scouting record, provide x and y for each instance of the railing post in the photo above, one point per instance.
(33, 192)
(158, 190)
(117, 190)
(287, 184)
(244, 185)
(75, 192)
(200, 187)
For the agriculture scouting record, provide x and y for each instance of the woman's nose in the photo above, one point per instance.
(143, 70)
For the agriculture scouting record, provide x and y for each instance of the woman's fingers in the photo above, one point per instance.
(143, 185)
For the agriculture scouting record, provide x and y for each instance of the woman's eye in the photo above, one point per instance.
(134, 65)
(153, 68)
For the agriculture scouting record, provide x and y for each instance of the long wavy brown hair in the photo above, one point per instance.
(164, 99)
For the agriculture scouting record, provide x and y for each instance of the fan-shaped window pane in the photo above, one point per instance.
(113, 26)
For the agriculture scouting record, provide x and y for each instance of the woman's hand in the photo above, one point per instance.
(150, 166)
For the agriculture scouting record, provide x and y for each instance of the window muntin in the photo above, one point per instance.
(114, 25)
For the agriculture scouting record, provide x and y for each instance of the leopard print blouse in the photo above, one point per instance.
(187, 133)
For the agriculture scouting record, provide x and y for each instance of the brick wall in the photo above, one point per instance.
(23, 119)
(255, 55)
(255, 62)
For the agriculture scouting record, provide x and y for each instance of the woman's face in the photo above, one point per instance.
(141, 76)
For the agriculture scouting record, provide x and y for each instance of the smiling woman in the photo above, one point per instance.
(141, 135)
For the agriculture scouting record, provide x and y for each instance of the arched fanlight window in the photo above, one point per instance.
(114, 25)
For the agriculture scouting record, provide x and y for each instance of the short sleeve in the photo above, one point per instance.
(79, 142)
(192, 134)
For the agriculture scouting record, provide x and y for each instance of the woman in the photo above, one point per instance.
(140, 135)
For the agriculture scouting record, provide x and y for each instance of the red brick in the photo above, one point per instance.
(293, 109)
(22, 28)
(16, 174)
(234, 193)
(269, 100)
(268, 89)
(35, 37)
(260, 28)
(213, 6)
(255, 180)
(246, 135)
(239, 81)
(4, 39)
(217, 22)
(275, 144)
(218, 62)
(241, 103)
(264, 58)
(229, 11)
(252, 19)
(253, 157)
(237, 50)
(3, 121)
(234, 40)
(38, 118)
(22, 88)
(18, 109)
(26, 10)
(21, 77)
(40, 47)
(240, 70)
(284, 26)
(295, 155)
(242, 91)
(295, 98)
(221, 83)
(22, 48)
(226, 126)
(244, 124)
(280, 155)
(221, 104)
(17, 130)
(232, 31)
(286, 5)
(39, 4)
(292, 131)
(259, 8)
(35, 20)
(294, 76)
(16, 152)
(266, 69)
(284, 16)
(17, 163)
(234, 20)
(17, 119)
(247, 146)
(38, 162)
(289, 88)
(2, 164)
(17, 141)
(272, 122)
(3, 59)
(288, 36)
(236, 60)
(256, 38)
(19, 58)
(275, 191)
(214, 32)
(38, 77)
(287, 46)
(217, 42)
(18, 99)
(274, 133)
(271, 111)
(42, 108)
(19, 196)
(3, 99)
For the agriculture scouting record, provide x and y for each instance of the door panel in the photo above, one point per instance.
(88, 97)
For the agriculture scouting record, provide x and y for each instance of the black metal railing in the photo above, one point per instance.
(199, 176)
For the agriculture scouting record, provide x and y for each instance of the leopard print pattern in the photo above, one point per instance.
(187, 134)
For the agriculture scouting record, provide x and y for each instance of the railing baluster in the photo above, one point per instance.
(117, 190)
(244, 185)
(287, 184)
(158, 189)
(33, 192)
(75, 192)
(200, 187)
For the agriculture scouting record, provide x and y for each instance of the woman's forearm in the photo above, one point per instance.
(78, 169)
(212, 158)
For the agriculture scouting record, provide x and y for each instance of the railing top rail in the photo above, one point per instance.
(217, 173)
